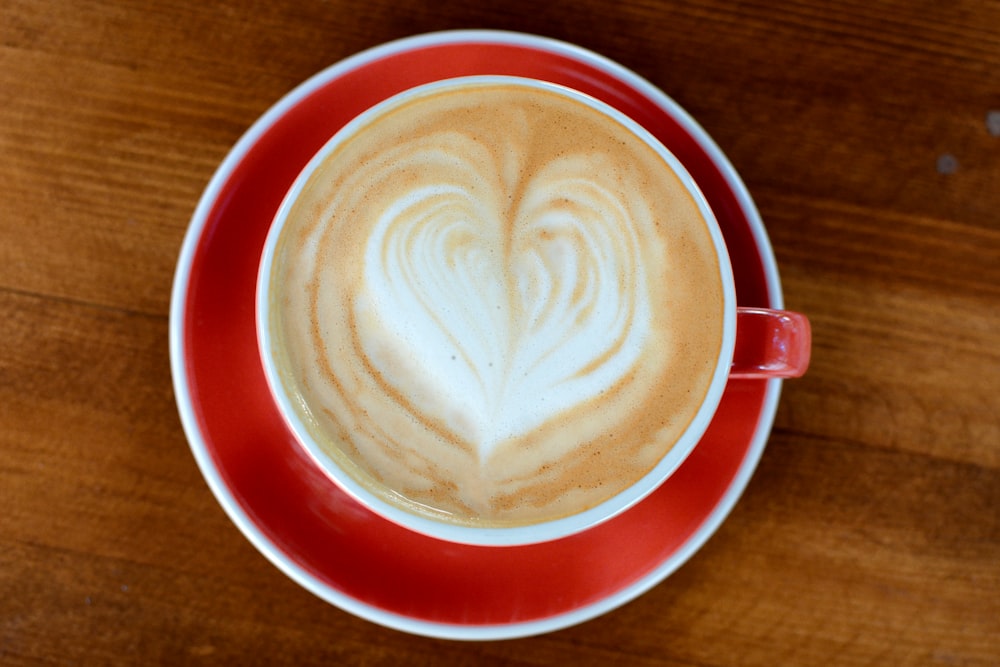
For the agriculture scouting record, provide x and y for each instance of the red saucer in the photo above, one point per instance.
(322, 538)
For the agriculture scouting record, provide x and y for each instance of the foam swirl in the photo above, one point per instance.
(470, 311)
(515, 315)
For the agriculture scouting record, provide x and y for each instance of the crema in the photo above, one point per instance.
(494, 305)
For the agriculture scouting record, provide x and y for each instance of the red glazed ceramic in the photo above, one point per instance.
(306, 525)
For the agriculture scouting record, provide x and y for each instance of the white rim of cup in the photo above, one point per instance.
(245, 523)
(497, 536)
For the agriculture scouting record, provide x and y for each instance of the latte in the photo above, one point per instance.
(494, 305)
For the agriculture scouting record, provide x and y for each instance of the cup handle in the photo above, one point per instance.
(771, 344)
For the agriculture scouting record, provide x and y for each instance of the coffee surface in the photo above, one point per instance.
(495, 305)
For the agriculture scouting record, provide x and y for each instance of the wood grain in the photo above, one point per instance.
(870, 533)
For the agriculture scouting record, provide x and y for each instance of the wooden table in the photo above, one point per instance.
(869, 136)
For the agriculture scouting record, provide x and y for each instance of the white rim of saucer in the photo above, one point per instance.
(196, 438)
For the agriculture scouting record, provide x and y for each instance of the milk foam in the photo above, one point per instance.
(496, 307)
(511, 322)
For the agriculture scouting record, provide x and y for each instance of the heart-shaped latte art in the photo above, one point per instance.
(509, 309)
